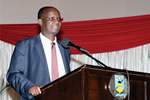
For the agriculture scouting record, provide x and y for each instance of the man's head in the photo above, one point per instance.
(49, 20)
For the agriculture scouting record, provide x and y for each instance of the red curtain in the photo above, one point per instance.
(96, 36)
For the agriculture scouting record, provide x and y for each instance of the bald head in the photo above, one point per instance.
(45, 10)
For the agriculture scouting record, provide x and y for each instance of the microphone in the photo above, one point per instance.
(66, 43)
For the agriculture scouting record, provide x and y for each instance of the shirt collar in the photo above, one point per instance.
(46, 39)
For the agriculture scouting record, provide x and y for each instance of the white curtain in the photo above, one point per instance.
(135, 59)
(5, 56)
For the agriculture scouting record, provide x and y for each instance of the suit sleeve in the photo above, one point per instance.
(15, 74)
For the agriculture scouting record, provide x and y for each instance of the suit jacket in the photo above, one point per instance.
(29, 67)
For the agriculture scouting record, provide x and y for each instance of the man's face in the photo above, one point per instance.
(50, 22)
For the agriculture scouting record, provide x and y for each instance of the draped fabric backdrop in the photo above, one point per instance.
(121, 43)
(96, 35)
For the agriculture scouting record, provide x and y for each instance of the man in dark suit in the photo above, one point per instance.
(31, 63)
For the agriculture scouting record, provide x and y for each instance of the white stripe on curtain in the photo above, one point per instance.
(136, 59)
(5, 56)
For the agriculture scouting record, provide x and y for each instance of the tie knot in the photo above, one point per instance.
(52, 43)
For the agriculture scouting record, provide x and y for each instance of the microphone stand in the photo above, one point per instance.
(99, 62)
(66, 43)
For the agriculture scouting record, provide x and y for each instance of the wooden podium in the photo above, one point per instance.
(91, 83)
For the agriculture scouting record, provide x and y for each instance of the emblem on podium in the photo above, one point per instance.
(118, 86)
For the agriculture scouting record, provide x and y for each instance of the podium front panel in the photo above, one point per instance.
(92, 83)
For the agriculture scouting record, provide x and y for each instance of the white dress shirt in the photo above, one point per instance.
(47, 49)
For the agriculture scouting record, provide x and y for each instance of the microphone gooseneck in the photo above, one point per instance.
(66, 43)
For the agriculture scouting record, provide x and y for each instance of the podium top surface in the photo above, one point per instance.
(98, 69)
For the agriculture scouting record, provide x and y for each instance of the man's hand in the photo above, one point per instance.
(35, 90)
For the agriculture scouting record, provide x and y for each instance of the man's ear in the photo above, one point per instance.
(40, 22)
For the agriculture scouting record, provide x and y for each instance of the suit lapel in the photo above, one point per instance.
(62, 51)
(40, 51)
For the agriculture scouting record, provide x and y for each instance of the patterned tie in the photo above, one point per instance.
(55, 74)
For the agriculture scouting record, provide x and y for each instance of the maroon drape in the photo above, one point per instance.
(96, 36)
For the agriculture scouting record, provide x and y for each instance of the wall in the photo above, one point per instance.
(25, 11)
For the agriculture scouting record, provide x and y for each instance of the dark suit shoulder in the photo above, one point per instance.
(29, 41)
(24, 44)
